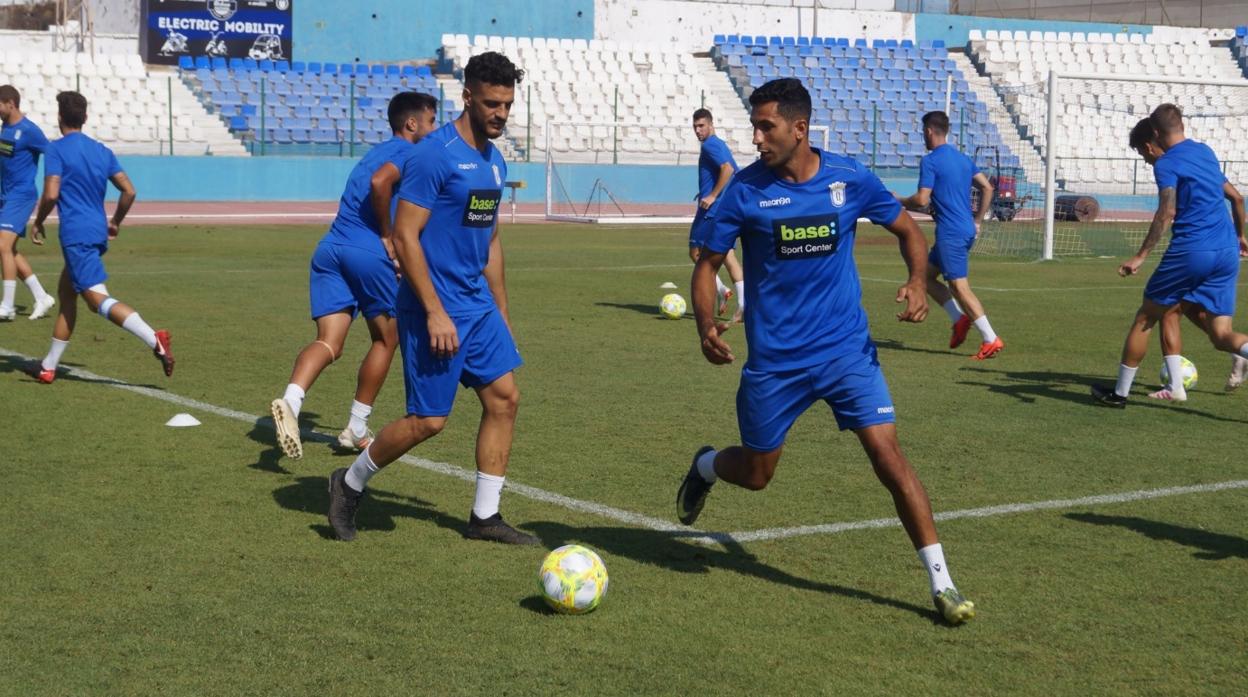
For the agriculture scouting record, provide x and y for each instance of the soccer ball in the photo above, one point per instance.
(1189, 375)
(672, 306)
(573, 579)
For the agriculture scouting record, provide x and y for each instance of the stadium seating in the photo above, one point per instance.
(1097, 115)
(304, 105)
(870, 97)
(573, 90)
(129, 107)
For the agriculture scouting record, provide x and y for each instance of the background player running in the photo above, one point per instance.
(715, 169)
(21, 144)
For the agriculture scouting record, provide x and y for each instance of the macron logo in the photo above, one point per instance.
(771, 203)
(467, 165)
(884, 410)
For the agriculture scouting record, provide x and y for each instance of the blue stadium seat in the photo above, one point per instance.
(265, 66)
(202, 63)
(938, 43)
(424, 71)
(282, 66)
(346, 68)
(803, 41)
(186, 63)
(236, 64)
(298, 66)
(238, 123)
(816, 41)
(907, 43)
(747, 40)
(408, 71)
(773, 41)
(361, 68)
(860, 42)
(733, 39)
(248, 110)
(219, 63)
(719, 40)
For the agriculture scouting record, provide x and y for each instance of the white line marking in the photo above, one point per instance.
(644, 521)
(986, 512)
(531, 492)
(1064, 289)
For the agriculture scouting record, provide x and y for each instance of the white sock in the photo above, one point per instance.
(1126, 376)
(952, 309)
(53, 358)
(1243, 350)
(136, 326)
(985, 329)
(489, 490)
(740, 286)
(933, 558)
(361, 471)
(36, 288)
(1174, 364)
(720, 287)
(10, 294)
(294, 397)
(706, 466)
(359, 418)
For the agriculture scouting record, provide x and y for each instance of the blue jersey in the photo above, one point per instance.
(803, 297)
(84, 166)
(356, 225)
(20, 147)
(461, 187)
(714, 154)
(948, 173)
(1202, 220)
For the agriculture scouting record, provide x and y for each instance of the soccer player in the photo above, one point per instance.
(1200, 267)
(945, 180)
(454, 326)
(354, 271)
(21, 144)
(795, 212)
(76, 174)
(1143, 139)
(715, 169)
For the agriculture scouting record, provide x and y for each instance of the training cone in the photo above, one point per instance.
(182, 421)
(668, 286)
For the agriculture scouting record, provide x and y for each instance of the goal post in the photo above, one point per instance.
(620, 172)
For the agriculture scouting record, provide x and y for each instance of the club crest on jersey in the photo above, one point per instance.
(498, 178)
(837, 191)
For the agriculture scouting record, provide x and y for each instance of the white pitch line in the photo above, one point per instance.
(986, 512)
(531, 492)
(1064, 289)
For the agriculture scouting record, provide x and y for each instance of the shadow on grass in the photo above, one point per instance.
(1028, 386)
(652, 310)
(894, 345)
(377, 511)
(664, 550)
(1210, 545)
(13, 364)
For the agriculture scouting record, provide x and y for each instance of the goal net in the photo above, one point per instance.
(1096, 196)
(605, 172)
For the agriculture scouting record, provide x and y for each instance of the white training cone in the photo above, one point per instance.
(182, 421)
(668, 286)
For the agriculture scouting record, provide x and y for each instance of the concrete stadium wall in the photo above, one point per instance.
(391, 30)
(954, 29)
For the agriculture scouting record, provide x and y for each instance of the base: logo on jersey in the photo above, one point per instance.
(482, 207)
(806, 237)
(837, 190)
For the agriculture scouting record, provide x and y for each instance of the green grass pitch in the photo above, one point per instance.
(141, 560)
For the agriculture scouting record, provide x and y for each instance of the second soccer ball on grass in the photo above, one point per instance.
(672, 306)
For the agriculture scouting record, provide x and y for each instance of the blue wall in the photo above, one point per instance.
(954, 29)
(391, 30)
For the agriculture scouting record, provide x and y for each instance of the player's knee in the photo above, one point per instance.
(758, 474)
(505, 404)
(422, 428)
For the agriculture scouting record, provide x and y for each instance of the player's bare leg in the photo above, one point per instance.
(940, 293)
(737, 275)
(1239, 364)
(26, 274)
(1134, 348)
(725, 293)
(1172, 354)
(62, 329)
(383, 331)
(991, 344)
(739, 465)
(500, 401)
(331, 335)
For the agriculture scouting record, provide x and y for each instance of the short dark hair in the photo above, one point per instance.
(703, 114)
(492, 68)
(1167, 119)
(1142, 133)
(405, 105)
(938, 121)
(790, 95)
(9, 93)
(72, 108)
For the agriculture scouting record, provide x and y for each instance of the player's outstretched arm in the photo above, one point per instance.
(1237, 214)
(51, 194)
(1162, 217)
(409, 223)
(703, 292)
(123, 184)
(725, 176)
(981, 182)
(495, 276)
(914, 251)
(381, 188)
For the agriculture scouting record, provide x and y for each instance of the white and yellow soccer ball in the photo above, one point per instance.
(1189, 374)
(672, 306)
(573, 579)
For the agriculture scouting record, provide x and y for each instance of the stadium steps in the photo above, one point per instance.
(1029, 155)
(217, 139)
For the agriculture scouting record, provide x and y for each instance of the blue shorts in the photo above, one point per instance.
(769, 402)
(698, 236)
(486, 353)
(346, 278)
(951, 255)
(85, 264)
(15, 213)
(1203, 277)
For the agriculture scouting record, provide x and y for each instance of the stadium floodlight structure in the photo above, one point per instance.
(581, 188)
(1098, 194)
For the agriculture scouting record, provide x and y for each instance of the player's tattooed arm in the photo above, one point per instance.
(1161, 222)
